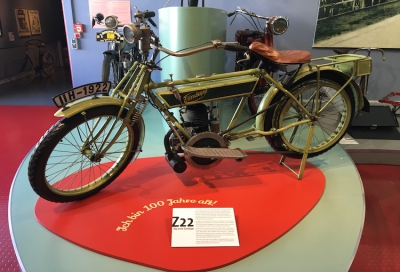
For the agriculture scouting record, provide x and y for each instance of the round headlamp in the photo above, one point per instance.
(111, 21)
(278, 25)
(132, 33)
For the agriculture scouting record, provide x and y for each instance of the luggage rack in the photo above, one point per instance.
(395, 103)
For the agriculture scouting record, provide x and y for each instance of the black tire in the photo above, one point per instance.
(330, 125)
(47, 64)
(20, 71)
(61, 169)
(110, 71)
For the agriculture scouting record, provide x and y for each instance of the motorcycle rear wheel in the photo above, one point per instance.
(65, 168)
(329, 126)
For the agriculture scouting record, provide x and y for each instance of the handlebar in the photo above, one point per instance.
(99, 17)
(216, 44)
(236, 48)
(35, 42)
(369, 50)
(249, 13)
(149, 14)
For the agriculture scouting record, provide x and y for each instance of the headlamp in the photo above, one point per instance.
(278, 25)
(132, 33)
(111, 21)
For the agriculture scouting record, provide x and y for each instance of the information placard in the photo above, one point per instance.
(203, 227)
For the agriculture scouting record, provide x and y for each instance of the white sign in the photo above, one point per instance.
(203, 227)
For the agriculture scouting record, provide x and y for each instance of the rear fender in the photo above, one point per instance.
(361, 103)
(337, 76)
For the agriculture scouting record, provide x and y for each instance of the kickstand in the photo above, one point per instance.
(304, 158)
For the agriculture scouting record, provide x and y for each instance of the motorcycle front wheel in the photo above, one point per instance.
(331, 120)
(68, 164)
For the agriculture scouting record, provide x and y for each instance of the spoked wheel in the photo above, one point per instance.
(332, 115)
(47, 64)
(71, 163)
(20, 71)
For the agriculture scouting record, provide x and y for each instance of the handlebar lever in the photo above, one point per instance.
(152, 22)
(247, 58)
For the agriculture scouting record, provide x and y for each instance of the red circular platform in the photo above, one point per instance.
(131, 219)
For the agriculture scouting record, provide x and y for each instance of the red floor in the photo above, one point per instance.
(379, 248)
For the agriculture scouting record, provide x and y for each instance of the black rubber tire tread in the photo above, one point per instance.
(270, 122)
(48, 64)
(44, 148)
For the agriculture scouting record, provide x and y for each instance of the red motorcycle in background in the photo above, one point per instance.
(275, 25)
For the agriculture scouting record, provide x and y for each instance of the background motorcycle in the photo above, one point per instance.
(275, 25)
(120, 55)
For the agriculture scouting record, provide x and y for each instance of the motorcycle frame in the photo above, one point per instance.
(139, 86)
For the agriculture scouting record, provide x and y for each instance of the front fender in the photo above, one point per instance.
(110, 52)
(101, 101)
(87, 103)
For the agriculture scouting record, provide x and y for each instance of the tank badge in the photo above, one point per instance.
(194, 96)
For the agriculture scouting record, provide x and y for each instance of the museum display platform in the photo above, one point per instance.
(325, 239)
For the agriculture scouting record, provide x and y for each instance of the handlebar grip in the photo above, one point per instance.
(149, 14)
(231, 13)
(236, 48)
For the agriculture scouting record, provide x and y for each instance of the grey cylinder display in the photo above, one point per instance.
(183, 27)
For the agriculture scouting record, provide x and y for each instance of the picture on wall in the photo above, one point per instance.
(358, 23)
(22, 22)
(34, 22)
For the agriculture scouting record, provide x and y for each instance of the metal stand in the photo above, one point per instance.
(304, 158)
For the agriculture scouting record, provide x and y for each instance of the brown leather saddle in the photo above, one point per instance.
(281, 57)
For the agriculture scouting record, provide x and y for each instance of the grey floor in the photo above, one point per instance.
(37, 93)
(41, 90)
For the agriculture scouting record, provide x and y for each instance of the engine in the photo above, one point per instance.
(197, 125)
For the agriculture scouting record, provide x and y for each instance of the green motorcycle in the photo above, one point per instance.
(302, 115)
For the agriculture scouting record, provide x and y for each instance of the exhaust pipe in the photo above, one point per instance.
(176, 162)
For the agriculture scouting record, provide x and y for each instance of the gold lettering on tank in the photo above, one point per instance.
(194, 96)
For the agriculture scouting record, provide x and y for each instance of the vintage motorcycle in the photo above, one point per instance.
(303, 114)
(275, 25)
(120, 55)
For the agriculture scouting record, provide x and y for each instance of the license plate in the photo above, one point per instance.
(81, 91)
(110, 36)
